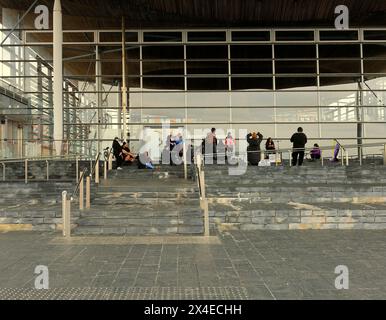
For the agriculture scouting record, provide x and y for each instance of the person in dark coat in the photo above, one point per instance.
(254, 140)
(299, 140)
(117, 151)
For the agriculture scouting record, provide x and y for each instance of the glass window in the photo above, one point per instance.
(204, 36)
(374, 34)
(374, 66)
(219, 52)
(340, 35)
(252, 99)
(163, 99)
(296, 83)
(251, 51)
(163, 52)
(208, 84)
(249, 83)
(256, 114)
(294, 35)
(342, 130)
(207, 99)
(339, 66)
(117, 36)
(296, 114)
(208, 115)
(295, 66)
(251, 36)
(163, 68)
(251, 67)
(296, 98)
(163, 83)
(339, 113)
(377, 51)
(339, 51)
(289, 51)
(338, 98)
(339, 82)
(162, 36)
(207, 67)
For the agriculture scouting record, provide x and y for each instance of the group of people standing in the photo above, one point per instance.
(211, 145)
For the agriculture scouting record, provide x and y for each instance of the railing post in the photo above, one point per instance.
(88, 198)
(48, 170)
(3, 171)
(77, 168)
(347, 161)
(360, 155)
(66, 215)
(384, 154)
(105, 170)
(26, 171)
(110, 161)
(91, 168)
(97, 171)
(185, 163)
(81, 193)
(342, 151)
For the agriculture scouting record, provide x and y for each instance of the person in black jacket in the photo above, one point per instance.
(299, 140)
(254, 140)
(117, 151)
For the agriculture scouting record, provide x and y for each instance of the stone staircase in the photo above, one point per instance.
(33, 206)
(310, 197)
(160, 202)
(143, 202)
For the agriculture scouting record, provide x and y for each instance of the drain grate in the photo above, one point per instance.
(137, 293)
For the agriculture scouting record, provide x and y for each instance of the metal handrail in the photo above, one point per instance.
(78, 183)
(16, 160)
(95, 164)
(353, 146)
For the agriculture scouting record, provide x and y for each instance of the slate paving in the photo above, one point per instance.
(260, 264)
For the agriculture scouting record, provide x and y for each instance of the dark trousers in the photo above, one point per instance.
(297, 158)
(118, 159)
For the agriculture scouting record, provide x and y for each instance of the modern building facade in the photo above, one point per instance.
(260, 77)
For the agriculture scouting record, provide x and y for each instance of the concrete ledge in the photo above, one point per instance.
(15, 227)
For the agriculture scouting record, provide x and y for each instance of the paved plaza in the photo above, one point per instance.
(231, 265)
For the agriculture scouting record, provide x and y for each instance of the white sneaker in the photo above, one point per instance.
(119, 168)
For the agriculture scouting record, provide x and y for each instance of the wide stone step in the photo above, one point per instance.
(128, 222)
(139, 230)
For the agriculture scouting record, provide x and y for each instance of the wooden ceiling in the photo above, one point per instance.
(91, 14)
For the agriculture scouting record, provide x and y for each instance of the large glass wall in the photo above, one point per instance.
(332, 83)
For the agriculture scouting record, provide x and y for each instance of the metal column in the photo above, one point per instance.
(58, 77)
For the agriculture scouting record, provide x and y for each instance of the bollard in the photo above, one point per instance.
(105, 170)
(88, 200)
(48, 171)
(3, 164)
(110, 162)
(289, 159)
(81, 194)
(26, 171)
(97, 172)
(66, 215)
